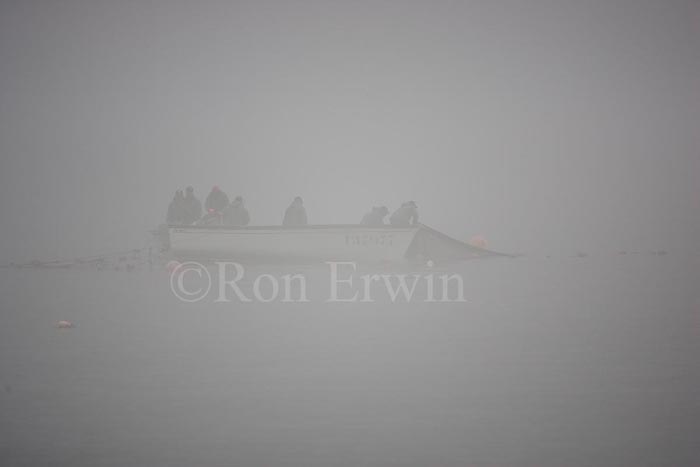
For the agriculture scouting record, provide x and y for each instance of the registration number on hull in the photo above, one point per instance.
(369, 239)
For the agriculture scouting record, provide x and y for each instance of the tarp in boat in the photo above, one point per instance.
(431, 244)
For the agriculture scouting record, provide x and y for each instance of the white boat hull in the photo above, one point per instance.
(327, 243)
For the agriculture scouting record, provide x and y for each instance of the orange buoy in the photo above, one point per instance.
(478, 241)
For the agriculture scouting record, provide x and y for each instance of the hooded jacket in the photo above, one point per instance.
(216, 200)
(236, 214)
(405, 216)
(295, 215)
(176, 210)
(375, 216)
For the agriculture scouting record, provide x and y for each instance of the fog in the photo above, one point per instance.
(543, 126)
(564, 131)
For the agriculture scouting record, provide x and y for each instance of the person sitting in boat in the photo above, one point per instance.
(192, 207)
(176, 210)
(236, 214)
(406, 215)
(217, 200)
(295, 213)
(375, 216)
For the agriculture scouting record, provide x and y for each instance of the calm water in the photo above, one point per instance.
(551, 362)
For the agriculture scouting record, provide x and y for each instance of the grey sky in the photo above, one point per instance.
(542, 125)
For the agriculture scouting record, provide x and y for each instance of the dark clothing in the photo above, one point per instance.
(236, 214)
(405, 216)
(192, 209)
(295, 215)
(176, 210)
(374, 217)
(217, 200)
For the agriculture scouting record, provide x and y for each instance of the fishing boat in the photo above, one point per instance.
(316, 243)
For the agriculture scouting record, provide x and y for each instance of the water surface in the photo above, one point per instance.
(550, 362)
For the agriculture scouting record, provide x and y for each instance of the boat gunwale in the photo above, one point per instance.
(296, 227)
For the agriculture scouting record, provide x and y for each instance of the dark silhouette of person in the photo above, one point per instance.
(176, 210)
(236, 214)
(406, 215)
(217, 200)
(192, 207)
(295, 213)
(375, 216)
